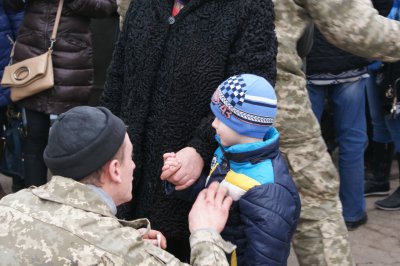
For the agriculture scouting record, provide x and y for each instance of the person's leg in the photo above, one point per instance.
(317, 95)
(321, 237)
(382, 148)
(392, 202)
(380, 131)
(2, 123)
(348, 101)
(378, 184)
(35, 142)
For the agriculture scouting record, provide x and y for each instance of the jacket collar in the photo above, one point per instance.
(253, 152)
(69, 192)
(105, 197)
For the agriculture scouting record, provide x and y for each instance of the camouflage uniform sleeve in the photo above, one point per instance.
(208, 248)
(355, 26)
(122, 8)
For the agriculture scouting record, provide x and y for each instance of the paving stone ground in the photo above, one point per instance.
(378, 242)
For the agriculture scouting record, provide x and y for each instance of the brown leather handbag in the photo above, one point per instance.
(35, 74)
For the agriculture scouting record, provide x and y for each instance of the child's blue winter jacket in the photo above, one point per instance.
(262, 222)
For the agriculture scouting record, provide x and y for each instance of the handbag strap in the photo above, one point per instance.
(56, 23)
(53, 33)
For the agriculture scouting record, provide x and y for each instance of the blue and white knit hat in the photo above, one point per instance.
(246, 103)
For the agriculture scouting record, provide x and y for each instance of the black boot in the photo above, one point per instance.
(382, 156)
(391, 203)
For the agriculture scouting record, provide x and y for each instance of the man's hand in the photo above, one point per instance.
(191, 165)
(155, 237)
(211, 209)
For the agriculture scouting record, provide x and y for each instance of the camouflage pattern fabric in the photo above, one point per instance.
(321, 237)
(66, 223)
(122, 8)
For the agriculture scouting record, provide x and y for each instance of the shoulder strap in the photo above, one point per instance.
(56, 22)
(53, 34)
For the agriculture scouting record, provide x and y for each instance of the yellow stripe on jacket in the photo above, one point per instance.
(240, 180)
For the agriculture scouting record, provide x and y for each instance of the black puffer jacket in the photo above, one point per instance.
(163, 73)
(326, 58)
(72, 55)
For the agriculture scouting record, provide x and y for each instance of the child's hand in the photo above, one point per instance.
(189, 171)
(171, 165)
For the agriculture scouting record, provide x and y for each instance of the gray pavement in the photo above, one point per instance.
(375, 244)
(378, 242)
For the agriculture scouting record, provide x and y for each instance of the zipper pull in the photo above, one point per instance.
(394, 107)
(10, 39)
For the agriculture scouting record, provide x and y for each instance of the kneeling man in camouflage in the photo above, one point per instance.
(71, 219)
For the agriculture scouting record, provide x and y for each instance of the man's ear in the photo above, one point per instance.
(114, 171)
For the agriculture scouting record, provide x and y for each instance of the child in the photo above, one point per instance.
(248, 162)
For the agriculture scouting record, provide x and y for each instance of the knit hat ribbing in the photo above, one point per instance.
(82, 140)
(246, 103)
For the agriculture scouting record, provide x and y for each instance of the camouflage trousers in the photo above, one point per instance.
(321, 237)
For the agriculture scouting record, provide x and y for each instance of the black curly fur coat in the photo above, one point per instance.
(163, 73)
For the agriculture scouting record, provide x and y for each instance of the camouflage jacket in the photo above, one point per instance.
(122, 8)
(64, 222)
(352, 25)
(368, 35)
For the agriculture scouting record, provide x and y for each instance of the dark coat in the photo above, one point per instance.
(262, 222)
(72, 55)
(9, 25)
(161, 79)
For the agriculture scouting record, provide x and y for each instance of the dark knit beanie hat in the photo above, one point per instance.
(246, 103)
(82, 140)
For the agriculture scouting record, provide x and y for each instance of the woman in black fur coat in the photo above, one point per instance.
(164, 70)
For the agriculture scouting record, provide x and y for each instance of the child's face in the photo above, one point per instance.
(227, 135)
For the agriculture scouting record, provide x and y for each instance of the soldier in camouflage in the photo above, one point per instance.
(321, 235)
(71, 220)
